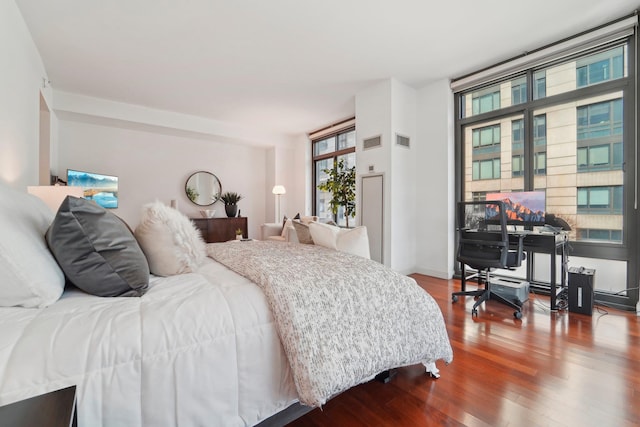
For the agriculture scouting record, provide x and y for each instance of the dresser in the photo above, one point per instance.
(220, 229)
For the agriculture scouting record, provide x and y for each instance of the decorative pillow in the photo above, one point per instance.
(29, 275)
(324, 234)
(351, 240)
(354, 241)
(97, 251)
(302, 231)
(283, 232)
(171, 242)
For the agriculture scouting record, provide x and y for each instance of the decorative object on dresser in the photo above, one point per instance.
(216, 230)
(231, 200)
(203, 188)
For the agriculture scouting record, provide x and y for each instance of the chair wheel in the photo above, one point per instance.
(454, 298)
(517, 314)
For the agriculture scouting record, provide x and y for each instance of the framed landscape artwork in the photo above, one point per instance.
(102, 189)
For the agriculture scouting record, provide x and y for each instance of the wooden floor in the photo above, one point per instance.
(548, 369)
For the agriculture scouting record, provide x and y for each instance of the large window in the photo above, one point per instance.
(327, 151)
(566, 127)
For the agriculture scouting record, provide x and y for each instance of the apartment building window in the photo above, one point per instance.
(328, 150)
(519, 91)
(600, 235)
(600, 200)
(486, 100)
(567, 126)
(600, 67)
(600, 120)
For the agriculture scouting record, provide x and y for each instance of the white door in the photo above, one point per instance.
(371, 213)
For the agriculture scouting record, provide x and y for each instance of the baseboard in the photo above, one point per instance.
(434, 273)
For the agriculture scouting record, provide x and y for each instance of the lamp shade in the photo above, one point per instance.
(53, 195)
(279, 189)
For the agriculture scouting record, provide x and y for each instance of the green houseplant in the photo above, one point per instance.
(230, 200)
(341, 183)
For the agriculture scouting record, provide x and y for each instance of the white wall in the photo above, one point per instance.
(436, 174)
(403, 178)
(373, 118)
(153, 165)
(388, 108)
(20, 87)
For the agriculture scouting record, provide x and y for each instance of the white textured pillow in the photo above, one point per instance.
(324, 234)
(29, 274)
(351, 240)
(354, 241)
(169, 240)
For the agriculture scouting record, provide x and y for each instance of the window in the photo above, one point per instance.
(600, 200)
(563, 127)
(486, 100)
(600, 68)
(519, 91)
(486, 169)
(486, 136)
(600, 235)
(600, 120)
(326, 151)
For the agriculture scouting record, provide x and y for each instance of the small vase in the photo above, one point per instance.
(238, 236)
(231, 210)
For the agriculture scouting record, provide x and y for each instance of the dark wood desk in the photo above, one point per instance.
(55, 409)
(221, 229)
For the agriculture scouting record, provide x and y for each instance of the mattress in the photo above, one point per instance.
(196, 349)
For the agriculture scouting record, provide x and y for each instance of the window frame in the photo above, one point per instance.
(335, 154)
(627, 250)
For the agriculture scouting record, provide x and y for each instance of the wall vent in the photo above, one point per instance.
(373, 142)
(403, 141)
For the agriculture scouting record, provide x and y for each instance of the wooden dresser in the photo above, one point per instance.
(220, 229)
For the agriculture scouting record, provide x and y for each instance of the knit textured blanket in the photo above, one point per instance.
(342, 319)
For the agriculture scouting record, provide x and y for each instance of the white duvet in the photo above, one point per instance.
(197, 349)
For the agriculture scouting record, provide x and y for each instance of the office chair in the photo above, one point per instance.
(483, 245)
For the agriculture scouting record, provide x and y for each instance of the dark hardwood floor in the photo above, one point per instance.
(548, 369)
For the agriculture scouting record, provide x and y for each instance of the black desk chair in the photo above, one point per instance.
(483, 244)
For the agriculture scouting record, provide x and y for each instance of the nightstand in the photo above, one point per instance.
(54, 409)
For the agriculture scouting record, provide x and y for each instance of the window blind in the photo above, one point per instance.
(598, 37)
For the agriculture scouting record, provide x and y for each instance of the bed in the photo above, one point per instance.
(230, 340)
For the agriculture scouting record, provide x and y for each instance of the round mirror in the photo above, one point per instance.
(203, 188)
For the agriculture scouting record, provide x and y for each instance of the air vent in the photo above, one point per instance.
(402, 140)
(374, 142)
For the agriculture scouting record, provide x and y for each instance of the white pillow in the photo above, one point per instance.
(324, 234)
(351, 240)
(169, 240)
(29, 274)
(354, 241)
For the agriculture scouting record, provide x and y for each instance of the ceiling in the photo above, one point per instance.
(288, 66)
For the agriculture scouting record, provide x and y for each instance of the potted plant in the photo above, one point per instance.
(341, 183)
(230, 200)
(239, 234)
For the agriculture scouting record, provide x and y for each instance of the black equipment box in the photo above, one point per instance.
(581, 290)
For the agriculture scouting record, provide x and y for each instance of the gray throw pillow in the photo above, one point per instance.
(97, 251)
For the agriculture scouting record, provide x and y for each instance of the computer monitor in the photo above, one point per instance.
(526, 208)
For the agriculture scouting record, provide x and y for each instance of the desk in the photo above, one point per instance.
(543, 243)
(546, 243)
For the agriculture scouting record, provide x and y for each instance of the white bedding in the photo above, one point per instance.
(196, 349)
